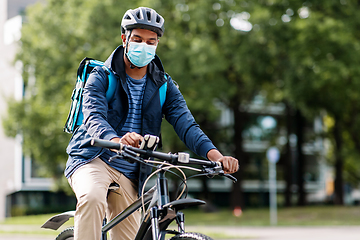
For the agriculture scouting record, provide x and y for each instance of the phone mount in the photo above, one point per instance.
(150, 142)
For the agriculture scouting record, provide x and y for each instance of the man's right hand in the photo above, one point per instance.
(131, 139)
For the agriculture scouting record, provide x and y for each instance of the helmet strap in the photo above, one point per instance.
(126, 48)
(132, 66)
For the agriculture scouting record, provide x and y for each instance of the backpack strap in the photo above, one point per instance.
(162, 91)
(112, 83)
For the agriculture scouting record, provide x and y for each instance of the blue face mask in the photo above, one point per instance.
(140, 54)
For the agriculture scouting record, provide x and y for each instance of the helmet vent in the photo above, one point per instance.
(127, 17)
(148, 15)
(158, 18)
(138, 15)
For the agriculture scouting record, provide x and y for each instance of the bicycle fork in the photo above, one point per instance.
(180, 219)
(155, 228)
(154, 222)
(163, 198)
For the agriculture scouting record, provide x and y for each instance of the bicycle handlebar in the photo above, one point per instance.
(172, 158)
(182, 158)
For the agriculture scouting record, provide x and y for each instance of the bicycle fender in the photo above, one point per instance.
(56, 221)
(184, 203)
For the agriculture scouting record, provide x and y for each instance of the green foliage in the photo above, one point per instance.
(210, 59)
(56, 36)
(305, 53)
(319, 72)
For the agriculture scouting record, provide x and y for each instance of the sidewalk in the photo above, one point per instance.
(281, 233)
(234, 233)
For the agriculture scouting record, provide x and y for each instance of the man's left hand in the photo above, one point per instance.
(230, 164)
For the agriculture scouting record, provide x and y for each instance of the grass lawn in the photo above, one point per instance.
(28, 220)
(31, 225)
(295, 216)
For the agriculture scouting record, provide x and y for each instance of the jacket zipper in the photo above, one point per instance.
(143, 110)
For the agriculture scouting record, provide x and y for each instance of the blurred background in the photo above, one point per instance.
(255, 74)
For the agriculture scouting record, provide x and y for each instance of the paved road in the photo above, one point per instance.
(24, 237)
(286, 233)
(253, 233)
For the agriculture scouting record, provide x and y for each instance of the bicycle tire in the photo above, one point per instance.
(191, 236)
(66, 234)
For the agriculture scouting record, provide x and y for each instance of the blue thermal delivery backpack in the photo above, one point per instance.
(75, 117)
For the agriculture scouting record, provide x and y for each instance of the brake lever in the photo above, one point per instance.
(218, 170)
(117, 156)
(229, 176)
(214, 171)
(127, 155)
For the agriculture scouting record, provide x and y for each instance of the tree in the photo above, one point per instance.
(321, 69)
(199, 39)
(228, 51)
(55, 37)
(223, 63)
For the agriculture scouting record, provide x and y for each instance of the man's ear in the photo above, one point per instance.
(123, 38)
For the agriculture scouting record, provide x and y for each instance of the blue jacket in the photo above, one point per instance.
(104, 120)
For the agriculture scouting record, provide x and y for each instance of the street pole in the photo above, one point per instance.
(272, 190)
(273, 156)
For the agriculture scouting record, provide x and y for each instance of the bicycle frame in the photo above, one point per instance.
(128, 211)
(158, 216)
(160, 213)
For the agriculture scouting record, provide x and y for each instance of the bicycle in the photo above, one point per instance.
(160, 211)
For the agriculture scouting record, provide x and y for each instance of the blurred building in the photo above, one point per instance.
(266, 127)
(22, 190)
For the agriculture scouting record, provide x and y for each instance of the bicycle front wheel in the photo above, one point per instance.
(67, 234)
(191, 236)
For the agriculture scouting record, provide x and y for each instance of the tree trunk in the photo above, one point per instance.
(339, 191)
(300, 158)
(288, 159)
(237, 197)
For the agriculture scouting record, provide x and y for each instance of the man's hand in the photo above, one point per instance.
(230, 164)
(131, 139)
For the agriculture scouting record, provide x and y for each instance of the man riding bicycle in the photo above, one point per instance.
(135, 110)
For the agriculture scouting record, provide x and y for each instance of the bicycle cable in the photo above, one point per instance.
(148, 178)
(178, 168)
(164, 169)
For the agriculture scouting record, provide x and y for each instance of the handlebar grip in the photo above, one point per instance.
(105, 144)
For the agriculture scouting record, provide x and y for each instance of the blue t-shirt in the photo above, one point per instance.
(132, 124)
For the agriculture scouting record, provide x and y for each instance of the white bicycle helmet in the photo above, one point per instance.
(145, 18)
